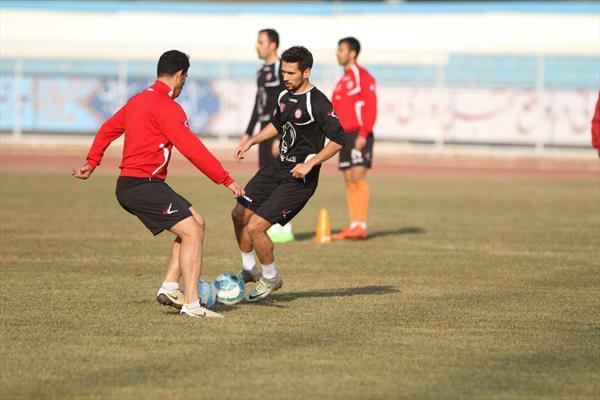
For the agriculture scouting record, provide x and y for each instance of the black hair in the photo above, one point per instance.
(352, 42)
(171, 62)
(300, 55)
(272, 35)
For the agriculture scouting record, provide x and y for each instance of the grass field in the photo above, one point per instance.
(467, 289)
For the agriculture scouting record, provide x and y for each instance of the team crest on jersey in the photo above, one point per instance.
(349, 85)
(281, 107)
(269, 76)
(298, 113)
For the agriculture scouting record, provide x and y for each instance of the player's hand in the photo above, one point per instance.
(241, 150)
(360, 143)
(236, 190)
(83, 172)
(275, 148)
(301, 170)
(244, 138)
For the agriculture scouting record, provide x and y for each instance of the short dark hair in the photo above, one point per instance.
(352, 42)
(171, 62)
(300, 55)
(272, 35)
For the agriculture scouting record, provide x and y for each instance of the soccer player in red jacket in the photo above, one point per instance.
(153, 123)
(355, 104)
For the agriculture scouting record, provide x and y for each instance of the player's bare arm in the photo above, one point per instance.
(301, 170)
(268, 132)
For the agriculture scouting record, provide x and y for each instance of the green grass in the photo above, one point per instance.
(467, 289)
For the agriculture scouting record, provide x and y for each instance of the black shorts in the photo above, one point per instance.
(265, 150)
(350, 157)
(153, 202)
(275, 195)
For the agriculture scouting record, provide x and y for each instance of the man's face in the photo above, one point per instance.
(264, 47)
(344, 56)
(180, 77)
(293, 78)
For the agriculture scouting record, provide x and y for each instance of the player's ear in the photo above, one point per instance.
(306, 73)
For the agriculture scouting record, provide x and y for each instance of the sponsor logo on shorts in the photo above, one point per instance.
(357, 156)
(285, 212)
(168, 211)
(248, 199)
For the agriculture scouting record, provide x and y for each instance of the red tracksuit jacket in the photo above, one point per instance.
(355, 102)
(153, 123)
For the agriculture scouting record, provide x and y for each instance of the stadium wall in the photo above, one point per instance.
(513, 73)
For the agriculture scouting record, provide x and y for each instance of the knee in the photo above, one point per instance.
(195, 231)
(357, 177)
(200, 221)
(255, 228)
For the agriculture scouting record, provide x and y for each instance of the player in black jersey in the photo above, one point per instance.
(269, 82)
(303, 117)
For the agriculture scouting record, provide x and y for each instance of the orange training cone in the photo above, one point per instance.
(323, 228)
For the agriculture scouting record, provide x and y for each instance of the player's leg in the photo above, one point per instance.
(258, 190)
(170, 293)
(350, 201)
(191, 233)
(263, 246)
(359, 177)
(240, 216)
(286, 201)
(344, 165)
(361, 161)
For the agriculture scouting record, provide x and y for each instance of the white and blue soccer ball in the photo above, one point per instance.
(230, 288)
(207, 293)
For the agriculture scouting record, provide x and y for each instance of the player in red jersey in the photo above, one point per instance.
(153, 123)
(355, 104)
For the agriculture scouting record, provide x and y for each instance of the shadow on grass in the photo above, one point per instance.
(409, 230)
(276, 297)
(343, 292)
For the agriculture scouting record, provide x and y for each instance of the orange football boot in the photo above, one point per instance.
(357, 233)
(341, 235)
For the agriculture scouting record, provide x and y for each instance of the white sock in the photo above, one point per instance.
(287, 228)
(269, 271)
(170, 286)
(193, 305)
(362, 224)
(248, 261)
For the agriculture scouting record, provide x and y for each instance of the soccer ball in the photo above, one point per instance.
(207, 293)
(230, 288)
